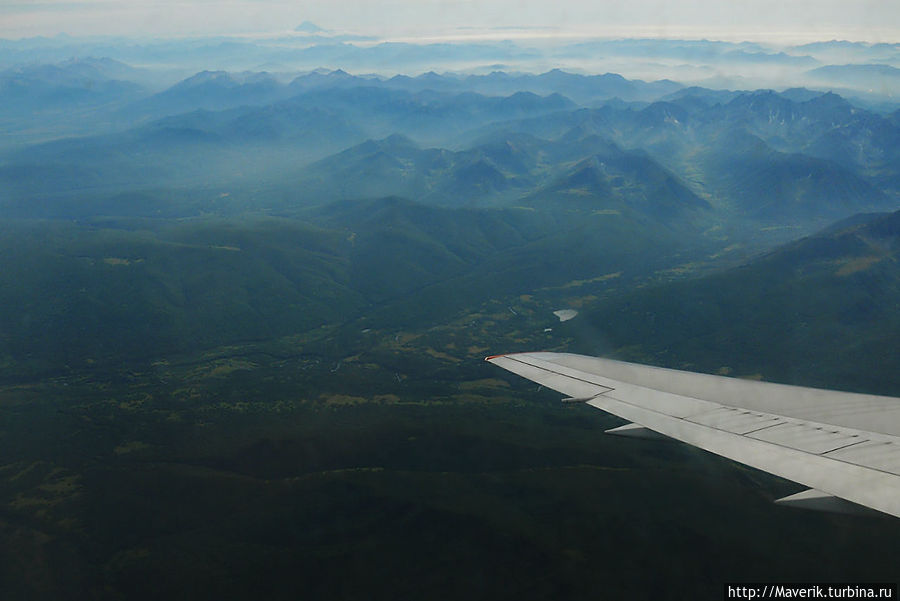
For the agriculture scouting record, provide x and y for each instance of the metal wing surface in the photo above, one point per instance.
(841, 445)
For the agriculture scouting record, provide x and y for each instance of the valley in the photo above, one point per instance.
(245, 316)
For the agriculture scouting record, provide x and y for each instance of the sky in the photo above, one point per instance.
(757, 20)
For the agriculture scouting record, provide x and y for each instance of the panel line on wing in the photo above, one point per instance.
(778, 422)
(846, 446)
(562, 372)
(877, 454)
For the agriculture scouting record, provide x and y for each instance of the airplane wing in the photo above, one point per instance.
(844, 446)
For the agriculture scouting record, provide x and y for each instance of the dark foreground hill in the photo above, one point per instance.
(108, 290)
(821, 310)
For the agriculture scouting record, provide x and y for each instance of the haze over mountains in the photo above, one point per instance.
(248, 285)
(821, 141)
(756, 64)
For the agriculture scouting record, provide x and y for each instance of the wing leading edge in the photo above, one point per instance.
(839, 444)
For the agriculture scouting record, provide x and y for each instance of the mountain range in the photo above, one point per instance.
(770, 157)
